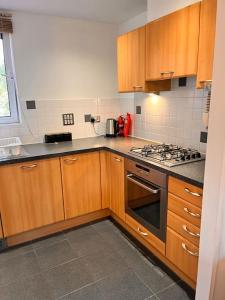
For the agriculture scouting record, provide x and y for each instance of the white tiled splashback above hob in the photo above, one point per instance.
(173, 117)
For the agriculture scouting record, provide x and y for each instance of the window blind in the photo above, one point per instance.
(6, 23)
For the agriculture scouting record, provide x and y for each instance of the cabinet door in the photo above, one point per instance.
(30, 195)
(136, 58)
(117, 199)
(123, 64)
(81, 184)
(105, 178)
(131, 61)
(172, 44)
(207, 41)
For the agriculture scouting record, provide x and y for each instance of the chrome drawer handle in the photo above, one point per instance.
(191, 213)
(185, 228)
(192, 193)
(117, 159)
(29, 167)
(141, 232)
(137, 87)
(188, 251)
(70, 160)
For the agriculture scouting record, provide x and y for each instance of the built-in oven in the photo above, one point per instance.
(146, 197)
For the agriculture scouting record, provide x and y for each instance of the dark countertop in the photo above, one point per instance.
(192, 173)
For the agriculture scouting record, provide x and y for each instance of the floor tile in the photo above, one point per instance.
(48, 241)
(174, 292)
(151, 275)
(86, 241)
(122, 286)
(90, 292)
(19, 267)
(103, 264)
(68, 277)
(15, 251)
(55, 254)
(34, 287)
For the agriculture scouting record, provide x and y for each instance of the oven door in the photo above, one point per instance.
(146, 203)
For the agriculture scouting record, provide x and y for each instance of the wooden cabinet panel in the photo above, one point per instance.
(206, 41)
(131, 61)
(172, 44)
(30, 195)
(184, 228)
(145, 234)
(117, 199)
(105, 178)
(182, 254)
(81, 184)
(123, 66)
(186, 191)
(184, 209)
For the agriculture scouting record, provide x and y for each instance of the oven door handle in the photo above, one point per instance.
(144, 186)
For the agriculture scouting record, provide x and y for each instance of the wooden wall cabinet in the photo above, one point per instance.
(117, 193)
(131, 61)
(81, 184)
(206, 41)
(172, 44)
(30, 195)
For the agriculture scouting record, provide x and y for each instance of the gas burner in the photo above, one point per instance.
(168, 154)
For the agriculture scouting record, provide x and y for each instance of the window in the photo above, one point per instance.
(8, 97)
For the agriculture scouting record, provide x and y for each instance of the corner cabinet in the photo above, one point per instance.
(30, 195)
(81, 184)
(206, 41)
(172, 44)
(117, 193)
(131, 61)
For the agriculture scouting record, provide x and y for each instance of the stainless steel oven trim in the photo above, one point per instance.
(131, 177)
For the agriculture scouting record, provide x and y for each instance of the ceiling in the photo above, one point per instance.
(111, 11)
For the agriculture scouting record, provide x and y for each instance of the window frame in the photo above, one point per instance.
(10, 80)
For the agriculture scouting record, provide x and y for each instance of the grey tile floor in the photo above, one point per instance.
(92, 262)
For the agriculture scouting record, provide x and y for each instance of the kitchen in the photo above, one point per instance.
(89, 217)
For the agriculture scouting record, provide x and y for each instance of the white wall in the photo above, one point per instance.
(135, 22)
(159, 8)
(211, 279)
(66, 65)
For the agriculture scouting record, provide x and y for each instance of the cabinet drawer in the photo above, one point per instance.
(144, 233)
(182, 254)
(184, 228)
(184, 209)
(186, 191)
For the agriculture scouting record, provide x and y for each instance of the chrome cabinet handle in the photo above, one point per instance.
(167, 73)
(192, 193)
(188, 251)
(141, 232)
(117, 159)
(185, 228)
(70, 160)
(191, 213)
(27, 167)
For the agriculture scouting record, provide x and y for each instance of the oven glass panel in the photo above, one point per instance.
(144, 204)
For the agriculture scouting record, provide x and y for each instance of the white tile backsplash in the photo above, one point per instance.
(173, 117)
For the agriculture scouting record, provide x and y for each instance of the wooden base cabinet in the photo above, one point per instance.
(117, 194)
(81, 183)
(30, 195)
(182, 253)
